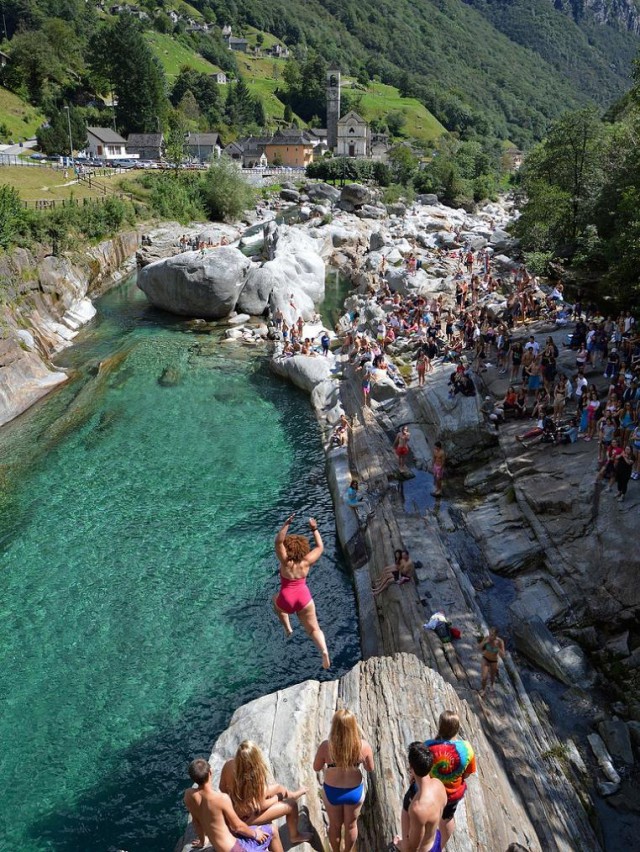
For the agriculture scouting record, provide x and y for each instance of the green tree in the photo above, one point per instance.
(396, 122)
(53, 138)
(175, 144)
(120, 55)
(402, 164)
(561, 180)
(188, 106)
(12, 215)
(225, 192)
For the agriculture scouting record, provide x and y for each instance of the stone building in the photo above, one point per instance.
(333, 107)
(353, 136)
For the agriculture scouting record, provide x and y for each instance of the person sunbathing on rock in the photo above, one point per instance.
(244, 779)
(215, 819)
(400, 572)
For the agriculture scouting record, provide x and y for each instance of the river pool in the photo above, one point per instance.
(136, 546)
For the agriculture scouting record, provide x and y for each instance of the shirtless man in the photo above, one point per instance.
(401, 447)
(214, 817)
(420, 832)
(439, 459)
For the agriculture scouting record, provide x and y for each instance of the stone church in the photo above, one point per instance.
(348, 136)
(354, 137)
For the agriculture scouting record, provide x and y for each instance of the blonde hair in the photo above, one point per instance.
(345, 742)
(250, 781)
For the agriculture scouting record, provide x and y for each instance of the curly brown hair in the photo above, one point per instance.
(297, 547)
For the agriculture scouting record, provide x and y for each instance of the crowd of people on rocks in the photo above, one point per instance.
(193, 243)
(565, 405)
(240, 816)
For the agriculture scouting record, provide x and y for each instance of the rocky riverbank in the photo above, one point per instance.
(550, 773)
(47, 300)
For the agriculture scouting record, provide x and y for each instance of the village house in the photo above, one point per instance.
(379, 146)
(105, 144)
(248, 151)
(239, 44)
(279, 51)
(287, 149)
(4, 58)
(146, 146)
(220, 78)
(203, 146)
(353, 136)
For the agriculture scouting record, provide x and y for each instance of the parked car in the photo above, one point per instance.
(38, 157)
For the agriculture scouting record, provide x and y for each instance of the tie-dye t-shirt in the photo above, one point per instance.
(453, 760)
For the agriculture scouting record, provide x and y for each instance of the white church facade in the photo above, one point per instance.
(354, 138)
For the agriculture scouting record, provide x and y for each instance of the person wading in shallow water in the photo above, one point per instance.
(401, 447)
(492, 648)
(296, 558)
(439, 459)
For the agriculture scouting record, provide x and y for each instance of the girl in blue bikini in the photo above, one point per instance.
(341, 757)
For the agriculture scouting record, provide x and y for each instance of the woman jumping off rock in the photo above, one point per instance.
(296, 558)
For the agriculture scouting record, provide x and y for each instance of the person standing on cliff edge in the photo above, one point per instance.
(296, 558)
(420, 821)
(493, 649)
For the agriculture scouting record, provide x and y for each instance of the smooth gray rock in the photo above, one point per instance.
(254, 296)
(304, 371)
(603, 757)
(346, 206)
(568, 664)
(290, 195)
(271, 234)
(356, 194)
(427, 198)
(617, 739)
(376, 241)
(323, 191)
(368, 211)
(195, 283)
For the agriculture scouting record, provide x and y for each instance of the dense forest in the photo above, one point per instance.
(580, 196)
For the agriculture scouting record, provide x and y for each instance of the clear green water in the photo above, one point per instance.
(136, 531)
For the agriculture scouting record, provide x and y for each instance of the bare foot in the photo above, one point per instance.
(197, 843)
(300, 838)
(326, 662)
(288, 632)
(295, 795)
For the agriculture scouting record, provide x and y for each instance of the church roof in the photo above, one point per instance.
(351, 116)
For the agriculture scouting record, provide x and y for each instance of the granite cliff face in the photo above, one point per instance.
(397, 700)
(47, 301)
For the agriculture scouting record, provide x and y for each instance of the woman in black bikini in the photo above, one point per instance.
(492, 648)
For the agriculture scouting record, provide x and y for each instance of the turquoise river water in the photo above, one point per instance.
(136, 568)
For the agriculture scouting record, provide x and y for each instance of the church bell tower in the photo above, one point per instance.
(333, 107)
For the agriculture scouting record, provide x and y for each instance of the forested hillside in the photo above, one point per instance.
(510, 65)
(501, 68)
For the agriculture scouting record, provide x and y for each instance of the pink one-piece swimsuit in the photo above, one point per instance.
(294, 595)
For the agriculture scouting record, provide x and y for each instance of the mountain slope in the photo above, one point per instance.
(519, 63)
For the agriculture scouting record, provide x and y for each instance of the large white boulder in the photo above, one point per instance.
(305, 371)
(196, 283)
